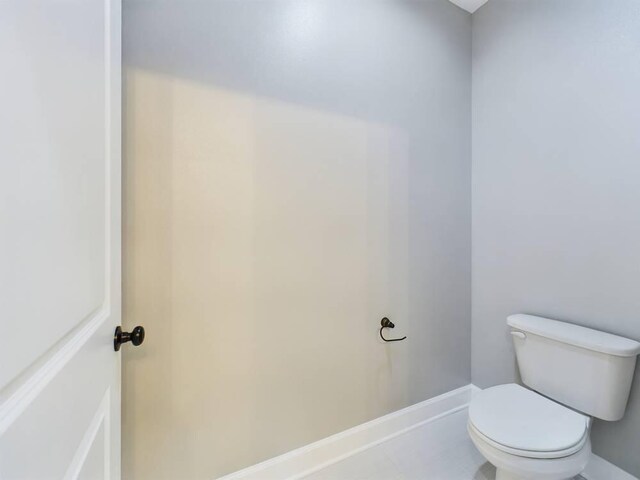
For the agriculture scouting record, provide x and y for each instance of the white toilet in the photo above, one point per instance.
(574, 373)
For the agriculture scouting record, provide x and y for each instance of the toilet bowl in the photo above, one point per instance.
(573, 374)
(527, 436)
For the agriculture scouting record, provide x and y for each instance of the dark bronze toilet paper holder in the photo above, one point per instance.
(386, 323)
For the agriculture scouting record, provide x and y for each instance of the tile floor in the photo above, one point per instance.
(440, 450)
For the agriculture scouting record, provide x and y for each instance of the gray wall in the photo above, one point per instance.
(294, 171)
(556, 181)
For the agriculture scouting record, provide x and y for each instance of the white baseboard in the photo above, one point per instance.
(315, 456)
(308, 459)
(599, 469)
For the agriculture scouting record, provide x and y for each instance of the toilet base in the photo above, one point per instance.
(505, 475)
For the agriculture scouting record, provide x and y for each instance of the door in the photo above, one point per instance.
(59, 239)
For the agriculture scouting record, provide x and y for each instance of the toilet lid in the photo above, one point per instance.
(522, 420)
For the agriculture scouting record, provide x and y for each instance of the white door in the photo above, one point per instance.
(59, 239)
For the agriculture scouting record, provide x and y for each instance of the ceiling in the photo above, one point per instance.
(469, 5)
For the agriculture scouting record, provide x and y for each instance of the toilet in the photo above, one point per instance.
(573, 374)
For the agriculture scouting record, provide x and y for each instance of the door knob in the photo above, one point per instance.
(136, 337)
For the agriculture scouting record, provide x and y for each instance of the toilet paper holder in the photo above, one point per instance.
(386, 323)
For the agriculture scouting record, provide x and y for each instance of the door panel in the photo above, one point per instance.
(52, 174)
(60, 242)
(95, 462)
(56, 427)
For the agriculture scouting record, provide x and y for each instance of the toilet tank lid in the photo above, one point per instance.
(575, 335)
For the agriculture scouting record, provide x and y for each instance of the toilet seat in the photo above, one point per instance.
(511, 467)
(521, 422)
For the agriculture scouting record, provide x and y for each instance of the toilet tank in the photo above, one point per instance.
(585, 369)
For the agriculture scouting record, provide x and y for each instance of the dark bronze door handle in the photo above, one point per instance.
(136, 337)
